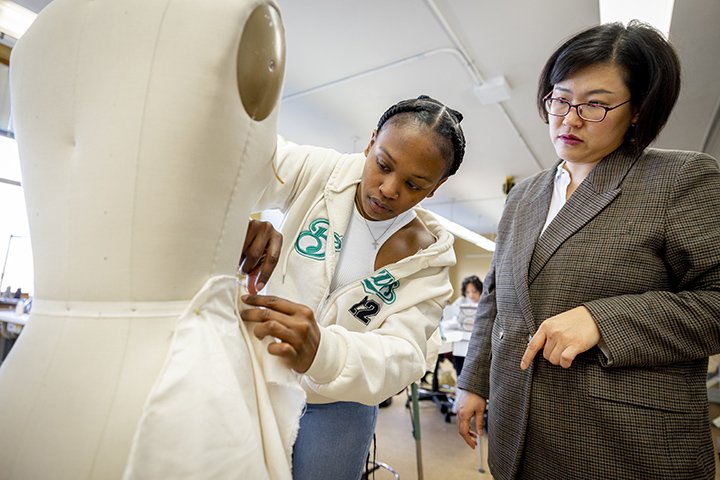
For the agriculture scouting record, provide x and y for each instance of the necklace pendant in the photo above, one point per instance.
(374, 245)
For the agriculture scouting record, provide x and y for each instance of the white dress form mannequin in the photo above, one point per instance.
(146, 131)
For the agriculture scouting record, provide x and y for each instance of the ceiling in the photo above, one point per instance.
(348, 61)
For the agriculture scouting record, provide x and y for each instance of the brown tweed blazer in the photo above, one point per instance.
(638, 243)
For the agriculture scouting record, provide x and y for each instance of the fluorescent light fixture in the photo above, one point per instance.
(14, 19)
(657, 13)
(494, 90)
(465, 234)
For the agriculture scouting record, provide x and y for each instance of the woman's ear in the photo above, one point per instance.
(432, 192)
(372, 142)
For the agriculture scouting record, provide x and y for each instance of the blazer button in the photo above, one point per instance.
(529, 337)
(501, 334)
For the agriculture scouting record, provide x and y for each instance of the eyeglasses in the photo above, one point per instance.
(590, 112)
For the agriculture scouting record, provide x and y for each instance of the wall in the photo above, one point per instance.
(471, 260)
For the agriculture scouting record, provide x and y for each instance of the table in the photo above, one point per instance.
(15, 322)
(455, 341)
(11, 324)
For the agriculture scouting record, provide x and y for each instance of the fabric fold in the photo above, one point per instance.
(222, 406)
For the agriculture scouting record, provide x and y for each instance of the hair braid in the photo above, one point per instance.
(444, 121)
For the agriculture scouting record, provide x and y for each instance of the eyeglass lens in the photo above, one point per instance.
(586, 111)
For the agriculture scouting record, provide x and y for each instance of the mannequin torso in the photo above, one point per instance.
(140, 165)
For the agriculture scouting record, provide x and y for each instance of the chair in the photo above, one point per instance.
(372, 465)
(444, 398)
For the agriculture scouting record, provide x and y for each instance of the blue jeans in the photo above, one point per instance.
(333, 441)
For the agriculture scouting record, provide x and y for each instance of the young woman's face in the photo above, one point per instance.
(403, 166)
(577, 140)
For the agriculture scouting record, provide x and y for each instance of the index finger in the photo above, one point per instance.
(261, 241)
(534, 346)
(271, 302)
(465, 432)
(269, 261)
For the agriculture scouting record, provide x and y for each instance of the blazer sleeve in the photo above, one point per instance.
(475, 374)
(661, 327)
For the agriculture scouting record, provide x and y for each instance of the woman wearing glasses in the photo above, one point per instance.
(592, 338)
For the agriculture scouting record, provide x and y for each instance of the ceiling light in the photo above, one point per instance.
(657, 13)
(494, 90)
(14, 19)
(465, 234)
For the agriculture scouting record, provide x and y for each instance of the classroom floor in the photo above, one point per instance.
(444, 454)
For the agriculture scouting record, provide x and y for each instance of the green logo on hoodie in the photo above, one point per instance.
(382, 284)
(311, 242)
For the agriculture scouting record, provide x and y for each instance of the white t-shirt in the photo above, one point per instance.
(361, 243)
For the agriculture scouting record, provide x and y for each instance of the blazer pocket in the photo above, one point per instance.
(498, 331)
(649, 388)
(496, 338)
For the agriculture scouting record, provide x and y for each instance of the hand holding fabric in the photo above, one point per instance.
(292, 324)
(260, 253)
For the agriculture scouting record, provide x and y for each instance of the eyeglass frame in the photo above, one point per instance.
(571, 106)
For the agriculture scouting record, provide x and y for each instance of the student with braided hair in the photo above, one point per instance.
(362, 277)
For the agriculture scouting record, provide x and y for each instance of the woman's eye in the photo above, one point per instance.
(412, 186)
(382, 166)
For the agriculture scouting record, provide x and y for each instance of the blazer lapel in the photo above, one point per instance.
(529, 219)
(595, 193)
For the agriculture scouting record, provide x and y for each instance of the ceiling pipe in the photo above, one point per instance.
(388, 66)
(10, 182)
(458, 51)
(477, 77)
(469, 64)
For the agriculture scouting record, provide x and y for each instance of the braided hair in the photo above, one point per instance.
(441, 119)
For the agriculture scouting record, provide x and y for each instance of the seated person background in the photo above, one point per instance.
(455, 317)
(460, 314)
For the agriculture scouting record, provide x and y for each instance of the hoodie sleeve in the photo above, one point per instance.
(369, 367)
(299, 168)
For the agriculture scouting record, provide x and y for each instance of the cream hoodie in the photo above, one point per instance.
(374, 332)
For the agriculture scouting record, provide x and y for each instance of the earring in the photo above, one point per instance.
(630, 134)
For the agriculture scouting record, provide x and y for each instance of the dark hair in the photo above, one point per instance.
(441, 119)
(471, 279)
(651, 72)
